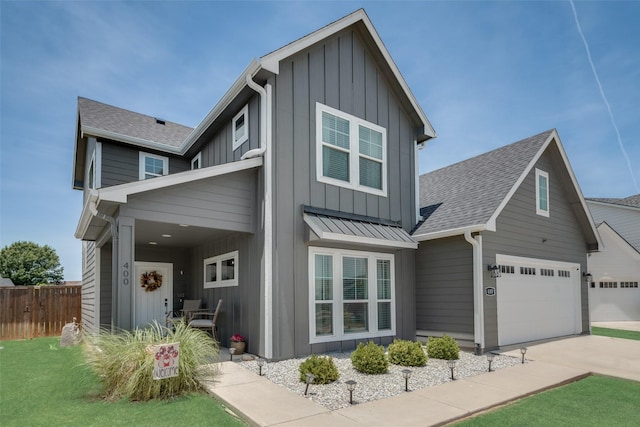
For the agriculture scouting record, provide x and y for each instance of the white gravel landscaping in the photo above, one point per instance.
(372, 387)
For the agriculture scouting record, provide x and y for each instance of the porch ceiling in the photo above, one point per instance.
(181, 236)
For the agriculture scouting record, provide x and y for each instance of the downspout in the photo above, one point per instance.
(114, 257)
(265, 141)
(478, 305)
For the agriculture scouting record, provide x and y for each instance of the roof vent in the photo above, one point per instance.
(160, 121)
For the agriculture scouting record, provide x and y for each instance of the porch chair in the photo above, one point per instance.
(206, 320)
(189, 306)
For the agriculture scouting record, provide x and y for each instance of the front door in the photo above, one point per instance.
(154, 286)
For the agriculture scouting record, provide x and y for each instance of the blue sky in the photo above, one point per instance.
(485, 73)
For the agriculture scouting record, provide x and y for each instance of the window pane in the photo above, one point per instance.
(542, 192)
(239, 127)
(335, 164)
(227, 269)
(384, 316)
(211, 272)
(153, 167)
(370, 173)
(324, 277)
(356, 317)
(370, 142)
(355, 281)
(324, 319)
(384, 278)
(335, 130)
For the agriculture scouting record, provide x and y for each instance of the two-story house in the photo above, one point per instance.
(292, 201)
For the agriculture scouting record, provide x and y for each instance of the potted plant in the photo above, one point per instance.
(238, 342)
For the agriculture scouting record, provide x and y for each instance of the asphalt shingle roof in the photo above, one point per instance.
(128, 123)
(469, 192)
(632, 201)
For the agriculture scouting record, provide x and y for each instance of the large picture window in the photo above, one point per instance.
(351, 295)
(350, 152)
(221, 271)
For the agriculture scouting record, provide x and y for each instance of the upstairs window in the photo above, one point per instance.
(240, 127)
(542, 193)
(152, 166)
(196, 162)
(350, 152)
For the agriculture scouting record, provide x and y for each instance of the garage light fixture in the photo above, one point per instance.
(587, 277)
(495, 270)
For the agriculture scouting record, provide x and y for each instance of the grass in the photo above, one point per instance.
(42, 384)
(593, 401)
(615, 333)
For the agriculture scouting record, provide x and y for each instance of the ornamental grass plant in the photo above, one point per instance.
(124, 361)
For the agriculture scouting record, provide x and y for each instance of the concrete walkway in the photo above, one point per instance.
(548, 365)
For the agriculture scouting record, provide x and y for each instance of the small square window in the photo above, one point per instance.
(240, 127)
(221, 271)
(152, 166)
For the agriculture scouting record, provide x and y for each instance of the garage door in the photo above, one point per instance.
(537, 299)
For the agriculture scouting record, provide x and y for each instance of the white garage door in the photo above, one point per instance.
(537, 299)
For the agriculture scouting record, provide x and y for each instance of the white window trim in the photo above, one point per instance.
(197, 158)
(238, 142)
(539, 210)
(141, 170)
(354, 151)
(338, 325)
(96, 160)
(217, 260)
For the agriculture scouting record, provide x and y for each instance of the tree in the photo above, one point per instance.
(27, 263)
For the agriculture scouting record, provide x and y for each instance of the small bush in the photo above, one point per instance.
(321, 367)
(407, 353)
(124, 361)
(370, 358)
(443, 348)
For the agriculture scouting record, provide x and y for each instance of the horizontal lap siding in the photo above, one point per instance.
(624, 220)
(339, 72)
(89, 285)
(521, 232)
(444, 286)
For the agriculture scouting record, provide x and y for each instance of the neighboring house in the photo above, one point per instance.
(6, 282)
(614, 294)
(518, 213)
(292, 201)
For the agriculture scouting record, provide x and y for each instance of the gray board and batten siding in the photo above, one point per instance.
(341, 72)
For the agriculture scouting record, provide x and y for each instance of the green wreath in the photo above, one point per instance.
(151, 281)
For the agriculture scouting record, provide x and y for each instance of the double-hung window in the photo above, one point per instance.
(542, 193)
(152, 166)
(351, 295)
(350, 152)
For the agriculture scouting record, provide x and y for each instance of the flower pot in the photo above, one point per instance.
(239, 346)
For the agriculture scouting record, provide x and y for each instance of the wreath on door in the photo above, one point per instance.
(151, 281)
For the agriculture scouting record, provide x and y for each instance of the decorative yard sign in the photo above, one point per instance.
(165, 361)
(490, 291)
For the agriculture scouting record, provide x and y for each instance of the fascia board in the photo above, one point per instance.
(101, 133)
(120, 193)
(271, 61)
(477, 228)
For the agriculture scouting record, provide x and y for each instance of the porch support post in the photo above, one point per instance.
(126, 280)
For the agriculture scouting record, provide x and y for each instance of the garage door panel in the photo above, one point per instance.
(532, 306)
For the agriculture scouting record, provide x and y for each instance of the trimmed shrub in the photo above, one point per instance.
(407, 353)
(322, 367)
(443, 348)
(124, 361)
(370, 358)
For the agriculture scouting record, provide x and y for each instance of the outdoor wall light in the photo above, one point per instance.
(310, 378)
(260, 363)
(451, 364)
(406, 374)
(523, 351)
(490, 357)
(231, 353)
(351, 385)
(587, 277)
(495, 270)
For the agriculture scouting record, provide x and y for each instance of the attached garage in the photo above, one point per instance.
(537, 299)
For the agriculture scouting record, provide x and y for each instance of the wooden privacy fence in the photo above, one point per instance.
(33, 311)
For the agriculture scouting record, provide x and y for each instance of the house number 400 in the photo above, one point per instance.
(125, 274)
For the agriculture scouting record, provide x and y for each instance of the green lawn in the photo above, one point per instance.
(615, 333)
(42, 384)
(593, 401)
